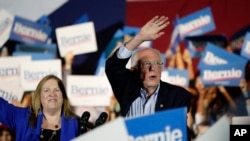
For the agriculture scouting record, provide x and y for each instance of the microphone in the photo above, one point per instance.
(83, 122)
(101, 119)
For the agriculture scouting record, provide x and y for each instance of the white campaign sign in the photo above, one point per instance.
(114, 130)
(6, 21)
(88, 90)
(79, 38)
(11, 92)
(10, 68)
(32, 72)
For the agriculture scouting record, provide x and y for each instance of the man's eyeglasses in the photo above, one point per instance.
(151, 64)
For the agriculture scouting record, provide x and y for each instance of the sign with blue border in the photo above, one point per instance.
(166, 125)
(29, 32)
(245, 50)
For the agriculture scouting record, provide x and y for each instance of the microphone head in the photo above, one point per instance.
(85, 116)
(101, 119)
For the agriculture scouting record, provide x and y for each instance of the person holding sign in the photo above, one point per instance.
(139, 90)
(48, 118)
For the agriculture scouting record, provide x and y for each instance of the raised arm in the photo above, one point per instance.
(150, 31)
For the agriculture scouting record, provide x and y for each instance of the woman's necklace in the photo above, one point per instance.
(48, 134)
(53, 133)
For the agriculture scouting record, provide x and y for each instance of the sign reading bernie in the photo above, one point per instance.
(169, 125)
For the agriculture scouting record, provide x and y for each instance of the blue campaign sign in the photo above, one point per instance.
(225, 75)
(214, 55)
(245, 50)
(117, 37)
(178, 77)
(197, 23)
(130, 30)
(169, 125)
(35, 55)
(29, 32)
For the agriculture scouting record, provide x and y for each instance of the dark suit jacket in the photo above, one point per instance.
(126, 87)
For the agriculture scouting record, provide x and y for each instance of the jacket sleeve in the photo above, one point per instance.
(117, 74)
(10, 113)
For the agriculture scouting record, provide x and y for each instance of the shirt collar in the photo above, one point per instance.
(144, 94)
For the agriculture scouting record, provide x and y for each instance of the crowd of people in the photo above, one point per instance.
(46, 112)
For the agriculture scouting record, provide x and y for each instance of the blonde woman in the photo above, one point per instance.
(48, 118)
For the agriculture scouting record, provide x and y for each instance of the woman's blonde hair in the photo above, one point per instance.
(36, 105)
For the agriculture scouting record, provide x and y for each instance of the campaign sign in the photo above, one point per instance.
(117, 37)
(114, 130)
(29, 32)
(6, 21)
(88, 90)
(100, 70)
(196, 44)
(37, 52)
(35, 55)
(219, 131)
(178, 77)
(245, 50)
(11, 92)
(41, 48)
(10, 68)
(168, 125)
(131, 30)
(175, 37)
(32, 72)
(214, 55)
(197, 23)
(79, 38)
(226, 75)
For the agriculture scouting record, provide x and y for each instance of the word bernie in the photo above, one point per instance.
(239, 132)
(168, 135)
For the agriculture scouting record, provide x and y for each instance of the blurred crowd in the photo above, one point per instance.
(209, 103)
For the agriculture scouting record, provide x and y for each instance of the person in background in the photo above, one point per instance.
(6, 134)
(139, 90)
(49, 117)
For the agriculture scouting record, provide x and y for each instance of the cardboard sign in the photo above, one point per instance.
(6, 21)
(117, 37)
(10, 68)
(112, 131)
(197, 44)
(178, 77)
(197, 23)
(245, 50)
(29, 32)
(169, 125)
(100, 70)
(88, 90)
(32, 72)
(226, 75)
(11, 92)
(218, 132)
(79, 38)
(35, 55)
(37, 52)
(214, 55)
(41, 48)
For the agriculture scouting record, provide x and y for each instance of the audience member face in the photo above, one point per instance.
(51, 96)
(5, 136)
(150, 68)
